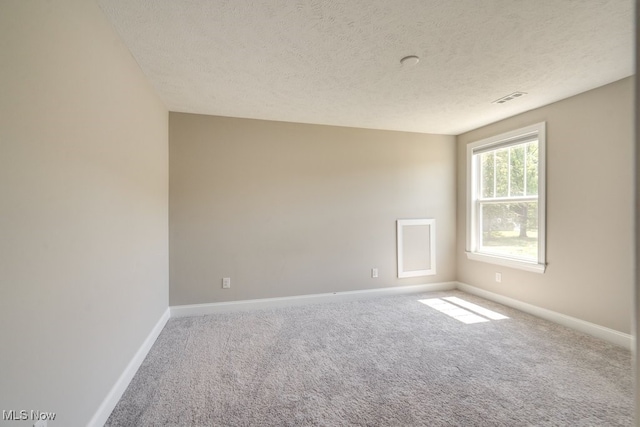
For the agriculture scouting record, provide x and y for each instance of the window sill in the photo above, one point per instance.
(507, 262)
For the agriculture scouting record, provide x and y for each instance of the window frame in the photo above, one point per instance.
(473, 177)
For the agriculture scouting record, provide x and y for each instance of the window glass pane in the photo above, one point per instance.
(487, 174)
(532, 169)
(517, 170)
(502, 172)
(509, 229)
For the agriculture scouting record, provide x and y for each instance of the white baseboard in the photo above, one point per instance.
(102, 414)
(255, 304)
(610, 335)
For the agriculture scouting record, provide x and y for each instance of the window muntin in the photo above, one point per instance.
(505, 217)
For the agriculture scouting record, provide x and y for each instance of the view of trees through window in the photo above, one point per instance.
(508, 202)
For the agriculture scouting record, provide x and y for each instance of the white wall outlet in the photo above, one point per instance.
(499, 277)
(226, 282)
(374, 272)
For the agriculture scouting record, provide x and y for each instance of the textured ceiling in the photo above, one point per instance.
(338, 62)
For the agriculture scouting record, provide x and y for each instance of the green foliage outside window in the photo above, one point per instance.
(509, 225)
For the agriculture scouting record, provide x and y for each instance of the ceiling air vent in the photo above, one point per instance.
(509, 97)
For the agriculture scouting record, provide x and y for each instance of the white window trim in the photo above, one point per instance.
(537, 267)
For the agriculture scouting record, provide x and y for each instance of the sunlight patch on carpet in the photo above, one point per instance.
(458, 313)
(476, 308)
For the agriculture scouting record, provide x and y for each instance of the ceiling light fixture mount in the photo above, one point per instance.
(409, 60)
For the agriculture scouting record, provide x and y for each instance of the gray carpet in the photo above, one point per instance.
(389, 361)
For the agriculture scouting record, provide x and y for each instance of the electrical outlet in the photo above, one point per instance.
(374, 272)
(499, 277)
(226, 282)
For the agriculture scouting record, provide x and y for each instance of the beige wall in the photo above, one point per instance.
(83, 211)
(589, 210)
(292, 209)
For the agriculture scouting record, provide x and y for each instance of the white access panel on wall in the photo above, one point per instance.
(416, 247)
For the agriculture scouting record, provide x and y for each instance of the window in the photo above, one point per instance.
(506, 199)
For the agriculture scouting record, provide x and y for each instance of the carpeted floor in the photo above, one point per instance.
(391, 361)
